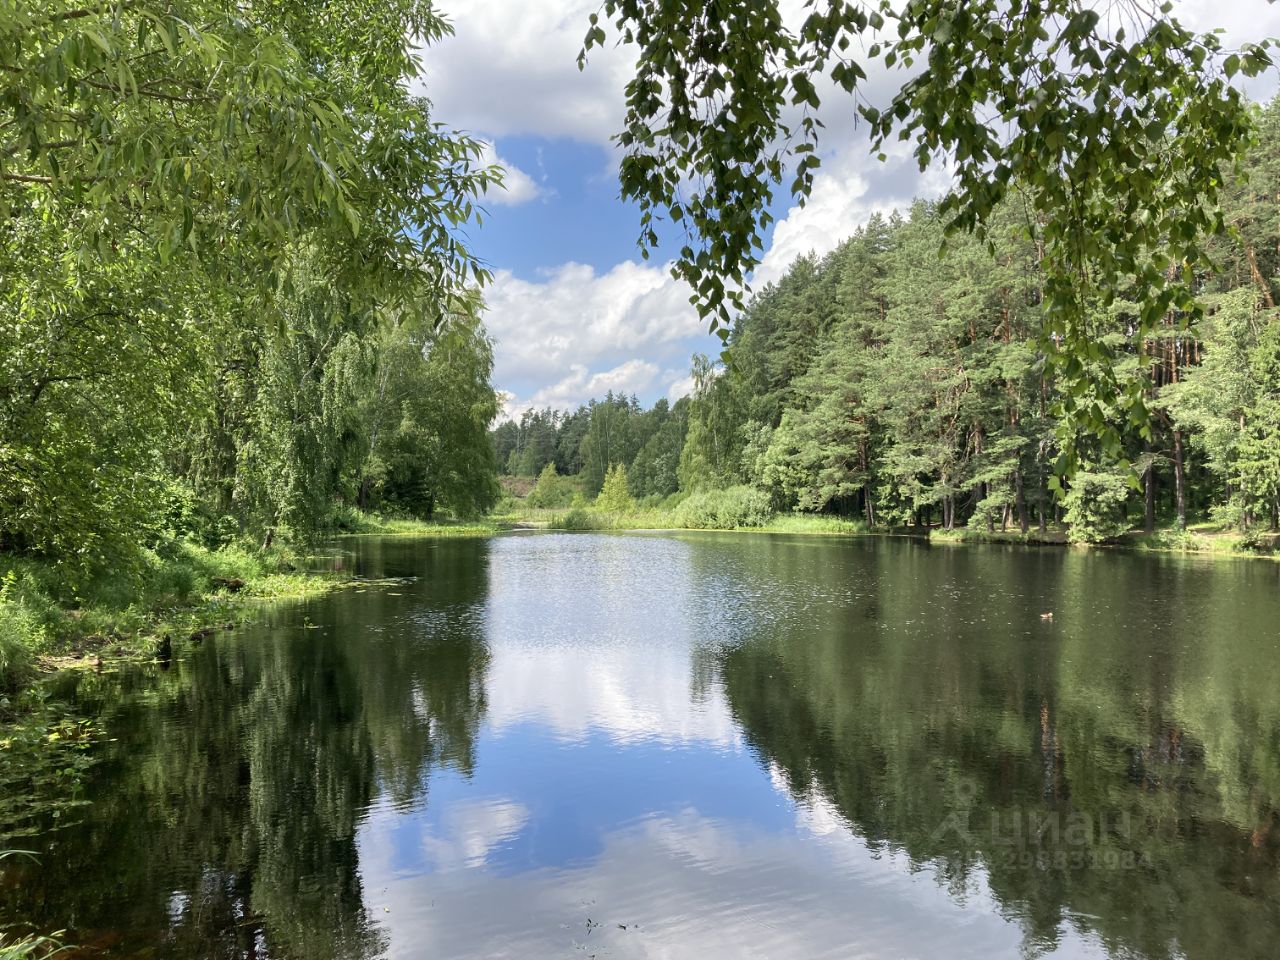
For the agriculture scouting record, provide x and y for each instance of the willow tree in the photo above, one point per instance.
(1117, 124)
(166, 168)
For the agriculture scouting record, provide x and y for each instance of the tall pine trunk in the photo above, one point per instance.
(1149, 492)
(1179, 480)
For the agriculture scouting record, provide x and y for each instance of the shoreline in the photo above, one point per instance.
(1217, 545)
(89, 639)
(189, 593)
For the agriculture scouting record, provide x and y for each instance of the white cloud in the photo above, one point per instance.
(633, 376)
(511, 68)
(579, 333)
(680, 386)
(681, 883)
(517, 186)
(471, 830)
(576, 330)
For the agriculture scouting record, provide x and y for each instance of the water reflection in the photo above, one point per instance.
(609, 635)
(719, 746)
(226, 808)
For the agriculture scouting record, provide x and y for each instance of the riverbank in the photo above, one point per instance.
(182, 590)
(188, 590)
(1201, 540)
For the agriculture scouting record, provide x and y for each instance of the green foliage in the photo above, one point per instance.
(729, 509)
(615, 432)
(180, 586)
(1117, 141)
(209, 221)
(21, 635)
(25, 948)
(580, 519)
(712, 451)
(614, 496)
(1095, 506)
(551, 490)
(427, 419)
(1258, 468)
(655, 470)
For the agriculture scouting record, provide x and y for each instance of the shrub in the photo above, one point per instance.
(725, 509)
(21, 635)
(1095, 507)
(551, 490)
(579, 519)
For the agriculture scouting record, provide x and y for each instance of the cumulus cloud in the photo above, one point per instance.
(511, 68)
(852, 187)
(517, 186)
(578, 330)
(471, 830)
(680, 385)
(577, 333)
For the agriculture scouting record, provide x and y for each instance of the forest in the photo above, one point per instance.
(241, 313)
(238, 305)
(888, 383)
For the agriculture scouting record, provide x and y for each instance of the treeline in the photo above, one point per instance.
(599, 435)
(235, 303)
(886, 382)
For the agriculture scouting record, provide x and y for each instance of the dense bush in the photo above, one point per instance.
(551, 490)
(725, 509)
(580, 519)
(1095, 507)
(21, 633)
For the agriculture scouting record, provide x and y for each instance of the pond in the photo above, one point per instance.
(704, 745)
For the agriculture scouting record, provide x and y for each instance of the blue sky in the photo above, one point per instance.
(574, 310)
(576, 214)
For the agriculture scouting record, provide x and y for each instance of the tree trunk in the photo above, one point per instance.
(1020, 501)
(1149, 490)
(1179, 480)
(1264, 287)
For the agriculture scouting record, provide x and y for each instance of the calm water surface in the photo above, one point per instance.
(702, 746)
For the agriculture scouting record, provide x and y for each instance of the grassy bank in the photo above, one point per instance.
(45, 619)
(588, 519)
(359, 523)
(709, 513)
(49, 621)
(1202, 540)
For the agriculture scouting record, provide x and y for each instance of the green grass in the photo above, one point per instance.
(660, 518)
(353, 522)
(44, 617)
(47, 620)
(815, 524)
(1203, 539)
(26, 947)
(1033, 537)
